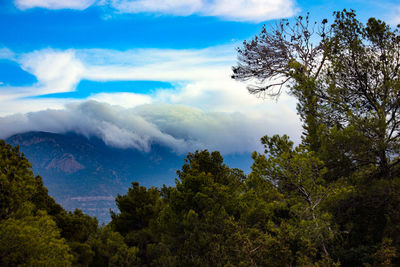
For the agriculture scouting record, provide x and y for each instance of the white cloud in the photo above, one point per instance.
(201, 76)
(60, 71)
(6, 53)
(237, 10)
(157, 64)
(204, 109)
(126, 100)
(251, 10)
(54, 4)
(56, 71)
(181, 128)
(394, 18)
(25, 105)
(172, 7)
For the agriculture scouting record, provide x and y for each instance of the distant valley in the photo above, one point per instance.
(87, 174)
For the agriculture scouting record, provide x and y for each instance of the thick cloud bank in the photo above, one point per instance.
(179, 127)
(203, 108)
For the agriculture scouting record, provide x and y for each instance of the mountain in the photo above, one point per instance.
(87, 174)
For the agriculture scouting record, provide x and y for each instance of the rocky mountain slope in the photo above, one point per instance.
(87, 174)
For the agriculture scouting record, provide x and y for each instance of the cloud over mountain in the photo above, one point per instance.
(179, 127)
(204, 107)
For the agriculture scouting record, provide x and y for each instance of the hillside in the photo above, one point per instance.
(87, 174)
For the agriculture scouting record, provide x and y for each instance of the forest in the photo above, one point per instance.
(331, 200)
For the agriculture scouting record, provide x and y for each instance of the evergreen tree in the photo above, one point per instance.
(345, 77)
(33, 240)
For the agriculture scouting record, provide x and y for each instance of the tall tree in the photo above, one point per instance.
(292, 55)
(363, 87)
(346, 80)
(198, 225)
(345, 77)
(298, 174)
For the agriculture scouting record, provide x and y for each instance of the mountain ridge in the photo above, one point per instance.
(86, 173)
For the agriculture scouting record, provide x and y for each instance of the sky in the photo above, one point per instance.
(139, 72)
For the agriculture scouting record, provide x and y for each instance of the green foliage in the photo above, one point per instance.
(32, 241)
(385, 253)
(340, 184)
(17, 183)
(111, 250)
(362, 87)
(137, 208)
(48, 234)
(216, 216)
(331, 200)
(198, 224)
(77, 228)
(298, 174)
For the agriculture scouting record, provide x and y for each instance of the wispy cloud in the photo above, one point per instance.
(56, 71)
(54, 4)
(201, 76)
(394, 17)
(205, 109)
(172, 7)
(238, 10)
(6, 53)
(60, 71)
(250, 10)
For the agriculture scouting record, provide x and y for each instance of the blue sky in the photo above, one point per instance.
(137, 72)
